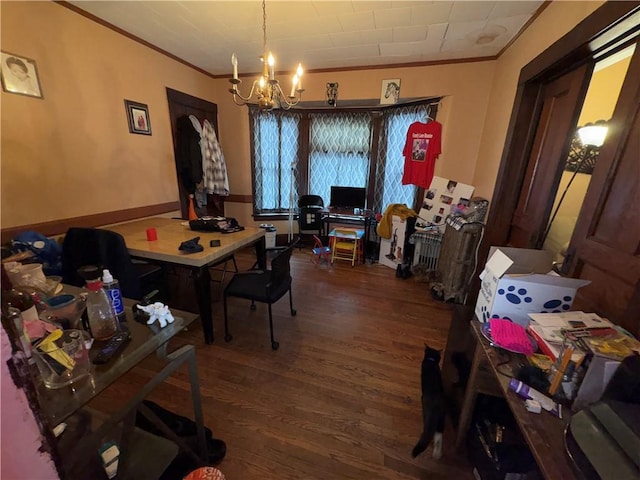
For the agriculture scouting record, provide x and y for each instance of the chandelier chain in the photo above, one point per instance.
(264, 27)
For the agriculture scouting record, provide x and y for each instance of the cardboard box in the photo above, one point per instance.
(516, 282)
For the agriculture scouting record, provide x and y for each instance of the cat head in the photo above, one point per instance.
(432, 354)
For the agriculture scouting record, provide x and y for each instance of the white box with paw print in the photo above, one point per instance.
(516, 282)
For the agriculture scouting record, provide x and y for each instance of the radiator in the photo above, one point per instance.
(427, 249)
(457, 261)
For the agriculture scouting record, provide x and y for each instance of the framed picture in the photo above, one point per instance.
(390, 91)
(138, 117)
(19, 75)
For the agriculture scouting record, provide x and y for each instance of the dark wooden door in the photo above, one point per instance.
(561, 103)
(605, 247)
(182, 104)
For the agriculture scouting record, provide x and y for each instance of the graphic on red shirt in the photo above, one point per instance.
(420, 151)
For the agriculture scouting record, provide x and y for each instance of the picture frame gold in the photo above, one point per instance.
(19, 75)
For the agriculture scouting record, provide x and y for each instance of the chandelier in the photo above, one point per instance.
(266, 91)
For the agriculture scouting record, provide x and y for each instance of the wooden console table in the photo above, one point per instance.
(543, 432)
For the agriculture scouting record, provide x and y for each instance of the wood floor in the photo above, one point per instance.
(340, 399)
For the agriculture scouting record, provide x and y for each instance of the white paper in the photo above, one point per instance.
(564, 319)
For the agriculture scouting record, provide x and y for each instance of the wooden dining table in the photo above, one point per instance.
(170, 234)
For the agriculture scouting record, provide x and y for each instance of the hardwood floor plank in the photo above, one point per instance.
(341, 397)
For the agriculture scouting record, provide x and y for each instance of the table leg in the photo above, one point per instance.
(201, 281)
(469, 396)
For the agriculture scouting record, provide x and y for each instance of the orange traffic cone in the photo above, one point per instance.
(192, 210)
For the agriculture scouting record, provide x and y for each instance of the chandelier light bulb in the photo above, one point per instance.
(271, 61)
(293, 86)
(299, 73)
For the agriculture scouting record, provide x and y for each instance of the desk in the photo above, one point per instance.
(171, 233)
(543, 432)
(59, 405)
(367, 223)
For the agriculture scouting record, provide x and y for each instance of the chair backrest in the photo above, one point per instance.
(310, 201)
(281, 265)
(103, 248)
(317, 242)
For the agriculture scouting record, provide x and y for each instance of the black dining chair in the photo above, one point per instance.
(265, 286)
(107, 249)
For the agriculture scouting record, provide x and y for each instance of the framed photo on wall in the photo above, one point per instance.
(19, 75)
(138, 117)
(390, 92)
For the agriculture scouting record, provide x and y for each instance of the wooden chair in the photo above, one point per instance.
(320, 251)
(345, 245)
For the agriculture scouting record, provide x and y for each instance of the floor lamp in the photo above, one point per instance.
(592, 136)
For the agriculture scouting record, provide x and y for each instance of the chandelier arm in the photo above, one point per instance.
(236, 92)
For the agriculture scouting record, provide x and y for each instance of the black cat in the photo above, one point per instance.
(433, 404)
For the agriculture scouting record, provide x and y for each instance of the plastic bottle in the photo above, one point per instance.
(102, 320)
(112, 287)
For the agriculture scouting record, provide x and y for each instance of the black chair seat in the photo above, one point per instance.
(257, 286)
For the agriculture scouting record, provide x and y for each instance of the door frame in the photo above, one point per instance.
(611, 27)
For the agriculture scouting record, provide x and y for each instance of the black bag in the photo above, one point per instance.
(186, 429)
(215, 224)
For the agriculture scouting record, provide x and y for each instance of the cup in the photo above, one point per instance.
(27, 275)
(62, 358)
(152, 234)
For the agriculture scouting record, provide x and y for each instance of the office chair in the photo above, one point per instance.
(107, 249)
(345, 245)
(310, 214)
(266, 286)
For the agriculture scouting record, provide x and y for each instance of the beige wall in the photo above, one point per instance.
(555, 21)
(71, 154)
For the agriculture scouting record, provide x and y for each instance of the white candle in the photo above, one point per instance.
(234, 62)
(271, 64)
(299, 73)
(293, 86)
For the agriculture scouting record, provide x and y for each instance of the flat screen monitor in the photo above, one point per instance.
(348, 197)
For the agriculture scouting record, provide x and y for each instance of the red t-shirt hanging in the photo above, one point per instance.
(420, 153)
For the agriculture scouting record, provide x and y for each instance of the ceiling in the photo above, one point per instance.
(319, 34)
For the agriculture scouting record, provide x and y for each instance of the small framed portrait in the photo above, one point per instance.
(138, 117)
(390, 91)
(20, 75)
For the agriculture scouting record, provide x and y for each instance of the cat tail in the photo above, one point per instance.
(421, 446)
(431, 424)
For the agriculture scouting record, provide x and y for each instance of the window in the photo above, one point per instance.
(299, 152)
